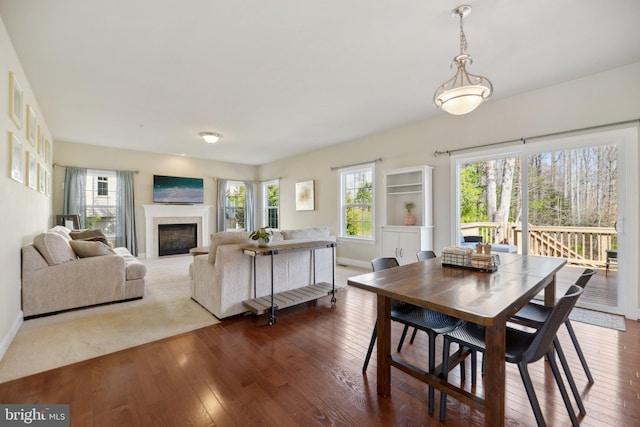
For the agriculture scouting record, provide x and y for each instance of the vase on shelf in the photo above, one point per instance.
(409, 219)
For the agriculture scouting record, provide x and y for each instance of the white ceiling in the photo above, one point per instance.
(281, 77)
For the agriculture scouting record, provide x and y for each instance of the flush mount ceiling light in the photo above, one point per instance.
(210, 137)
(464, 92)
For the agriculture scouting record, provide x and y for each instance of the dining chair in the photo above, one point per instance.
(425, 255)
(429, 321)
(534, 315)
(522, 348)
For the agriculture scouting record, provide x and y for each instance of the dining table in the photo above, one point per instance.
(485, 298)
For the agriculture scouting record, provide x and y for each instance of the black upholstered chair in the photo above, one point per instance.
(523, 348)
(534, 315)
(429, 321)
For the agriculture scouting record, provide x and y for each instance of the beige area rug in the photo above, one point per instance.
(53, 341)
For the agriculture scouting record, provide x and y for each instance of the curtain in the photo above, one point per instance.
(222, 201)
(125, 213)
(74, 202)
(249, 206)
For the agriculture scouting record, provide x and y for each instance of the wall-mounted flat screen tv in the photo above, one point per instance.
(180, 190)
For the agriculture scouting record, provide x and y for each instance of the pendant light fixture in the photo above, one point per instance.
(464, 92)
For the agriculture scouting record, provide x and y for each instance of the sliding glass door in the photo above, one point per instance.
(561, 198)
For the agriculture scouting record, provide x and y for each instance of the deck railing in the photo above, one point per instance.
(585, 246)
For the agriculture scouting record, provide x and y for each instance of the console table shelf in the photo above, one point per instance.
(275, 301)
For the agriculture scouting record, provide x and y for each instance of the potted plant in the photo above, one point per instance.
(409, 218)
(262, 235)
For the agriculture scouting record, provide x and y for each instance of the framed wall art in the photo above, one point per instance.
(304, 196)
(42, 177)
(32, 170)
(16, 158)
(40, 142)
(16, 106)
(47, 152)
(32, 127)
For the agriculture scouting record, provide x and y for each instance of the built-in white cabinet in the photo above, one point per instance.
(403, 242)
(405, 185)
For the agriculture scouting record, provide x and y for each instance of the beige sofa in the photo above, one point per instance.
(222, 279)
(59, 273)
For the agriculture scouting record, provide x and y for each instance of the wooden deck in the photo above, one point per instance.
(600, 290)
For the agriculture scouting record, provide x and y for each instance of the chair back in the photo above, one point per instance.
(585, 277)
(384, 263)
(425, 255)
(547, 332)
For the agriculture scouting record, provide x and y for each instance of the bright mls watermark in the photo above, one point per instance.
(34, 415)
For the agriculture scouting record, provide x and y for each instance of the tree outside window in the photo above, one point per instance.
(234, 206)
(271, 203)
(356, 203)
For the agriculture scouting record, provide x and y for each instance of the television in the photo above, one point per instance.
(178, 190)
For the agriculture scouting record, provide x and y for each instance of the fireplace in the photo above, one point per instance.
(176, 239)
(157, 214)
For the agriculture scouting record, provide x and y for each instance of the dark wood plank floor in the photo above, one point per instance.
(305, 371)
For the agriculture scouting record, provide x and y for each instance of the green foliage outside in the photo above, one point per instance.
(359, 215)
(235, 207)
(273, 201)
(473, 207)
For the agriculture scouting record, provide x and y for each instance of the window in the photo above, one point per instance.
(271, 203)
(101, 202)
(235, 206)
(103, 186)
(356, 202)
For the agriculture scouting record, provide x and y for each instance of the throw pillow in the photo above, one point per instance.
(92, 235)
(61, 230)
(54, 248)
(305, 233)
(86, 248)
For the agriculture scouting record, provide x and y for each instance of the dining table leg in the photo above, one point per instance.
(384, 346)
(495, 377)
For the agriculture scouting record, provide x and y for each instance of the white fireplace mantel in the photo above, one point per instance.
(173, 214)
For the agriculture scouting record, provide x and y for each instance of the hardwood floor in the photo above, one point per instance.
(306, 370)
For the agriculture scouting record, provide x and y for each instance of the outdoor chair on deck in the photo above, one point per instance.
(522, 348)
(534, 315)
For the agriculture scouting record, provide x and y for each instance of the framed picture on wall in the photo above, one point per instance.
(47, 152)
(32, 170)
(32, 127)
(304, 196)
(41, 177)
(16, 158)
(15, 101)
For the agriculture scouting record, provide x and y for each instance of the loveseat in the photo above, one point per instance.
(60, 273)
(223, 279)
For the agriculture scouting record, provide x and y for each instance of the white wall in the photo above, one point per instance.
(602, 98)
(26, 212)
(147, 165)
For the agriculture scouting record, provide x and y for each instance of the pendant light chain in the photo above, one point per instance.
(463, 39)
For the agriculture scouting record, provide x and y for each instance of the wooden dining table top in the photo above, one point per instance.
(475, 296)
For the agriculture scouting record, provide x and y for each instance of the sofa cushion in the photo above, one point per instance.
(54, 248)
(226, 238)
(134, 268)
(305, 233)
(87, 249)
(92, 235)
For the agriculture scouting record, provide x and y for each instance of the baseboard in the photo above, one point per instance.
(8, 338)
(353, 262)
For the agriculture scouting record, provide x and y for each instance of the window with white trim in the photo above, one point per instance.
(271, 204)
(235, 206)
(357, 202)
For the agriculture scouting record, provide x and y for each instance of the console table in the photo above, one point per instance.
(261, 305)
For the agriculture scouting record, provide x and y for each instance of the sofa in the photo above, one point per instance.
(223, 279)
(61, 271)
